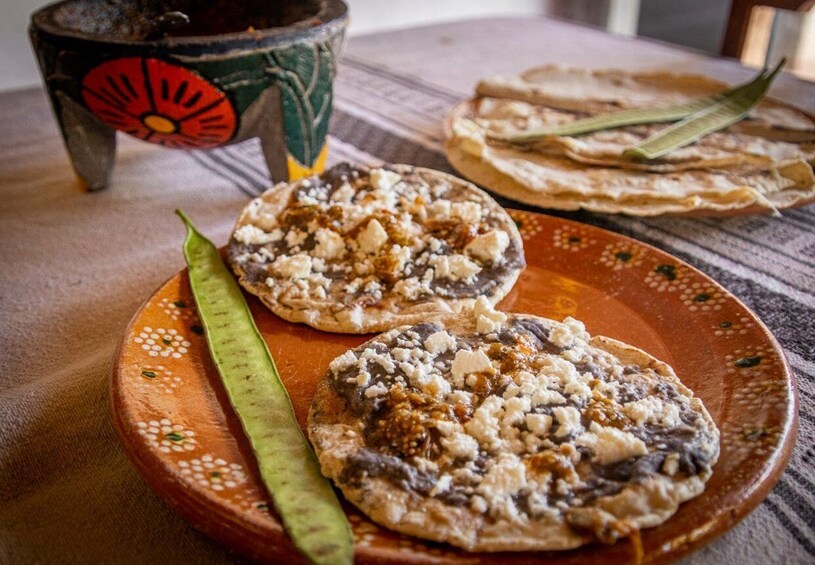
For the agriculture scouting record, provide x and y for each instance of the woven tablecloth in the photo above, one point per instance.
(75, 266)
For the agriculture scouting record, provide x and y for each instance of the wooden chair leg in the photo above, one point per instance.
(737, 24)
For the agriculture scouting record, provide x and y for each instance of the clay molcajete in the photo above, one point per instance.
(191, 75)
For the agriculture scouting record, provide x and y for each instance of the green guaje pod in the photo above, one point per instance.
(725, 112)
(634, 116)
(307, 504)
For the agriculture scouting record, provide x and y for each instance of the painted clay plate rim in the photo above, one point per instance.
(464, 108)
(176, 424)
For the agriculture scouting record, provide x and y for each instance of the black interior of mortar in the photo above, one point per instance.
(144, 20)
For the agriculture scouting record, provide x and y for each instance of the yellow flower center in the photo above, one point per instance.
(159, 124)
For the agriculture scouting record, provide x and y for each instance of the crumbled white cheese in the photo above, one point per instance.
(425, 465)
(460, 397)
(478, 504)
(439, 342)
(318, 265)
(566, 333)
(295, 237)
(400, 354)
(606, 389)
(259, 215)
(487, 319)
(401, 256)
(514, 410)
(363, 379)
(372, 237)
(363, 268)
(378, 389)
(411, 288)
(577, 390)
(383, 360)
(352, 316)
(446, 427)
(652, 410)
(537, 501)
(382, 179)
(462, 268)
(466, 211)
(511, 391)
(489, 247)
(569, 419)
(252, 235)
(460, 446)
(527, 382)
(466, 362)
(611, 445)
(344, 193)
(455, 267)
(293, 267)
(485, 423)
(374, 288)
(416, 208)
(505, 478)
(421, 377)
(539, 424)
(442, 485)
(330, 244)
(558, 370)
(440, 209)
(343, 362)
(546, 397)
(307, 200)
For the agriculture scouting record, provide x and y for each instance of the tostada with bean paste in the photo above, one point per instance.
(361, 249)
(510, 432)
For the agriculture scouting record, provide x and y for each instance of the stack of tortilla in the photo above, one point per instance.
(762, 162)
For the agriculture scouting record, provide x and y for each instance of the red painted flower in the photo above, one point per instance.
(159, 102)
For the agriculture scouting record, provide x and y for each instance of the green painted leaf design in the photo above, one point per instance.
(304, 73)
(242, 77)
(173, 436)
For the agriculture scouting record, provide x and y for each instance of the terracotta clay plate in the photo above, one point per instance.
(475, 171)
(179, 429)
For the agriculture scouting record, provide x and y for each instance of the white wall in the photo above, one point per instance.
(18, 67)
(375, 15)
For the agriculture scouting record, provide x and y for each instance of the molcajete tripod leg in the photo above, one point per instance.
(267, 114)
(91, 144)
